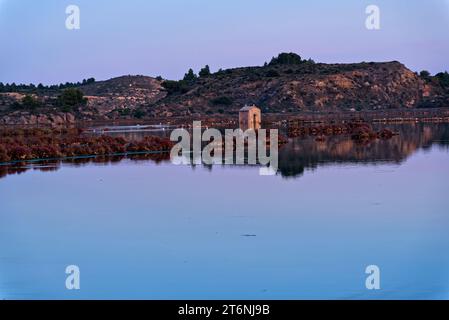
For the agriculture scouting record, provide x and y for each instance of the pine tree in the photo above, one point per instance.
(190, 76)
(205, 71)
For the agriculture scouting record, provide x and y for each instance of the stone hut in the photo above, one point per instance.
(250, 118)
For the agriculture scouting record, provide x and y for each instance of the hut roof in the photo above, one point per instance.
(247, 108)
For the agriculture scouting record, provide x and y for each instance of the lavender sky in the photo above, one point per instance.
(166, 37)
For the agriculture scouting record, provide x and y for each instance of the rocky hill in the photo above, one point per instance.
(123, 96)
(288, 84)
(299, 87)
(117, 98)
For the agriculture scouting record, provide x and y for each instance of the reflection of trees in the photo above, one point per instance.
(301, 154)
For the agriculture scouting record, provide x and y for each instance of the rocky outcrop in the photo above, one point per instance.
(25, 118)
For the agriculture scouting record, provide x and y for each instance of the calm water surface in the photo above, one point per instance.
(153, 230)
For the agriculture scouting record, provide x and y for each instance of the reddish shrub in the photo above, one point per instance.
(18, 152)
(4, 157)
(30, 143)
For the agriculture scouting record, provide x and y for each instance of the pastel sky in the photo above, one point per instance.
(166, 37)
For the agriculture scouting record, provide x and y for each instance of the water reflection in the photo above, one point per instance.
(299, 155)
(302, 154)
(145, 231)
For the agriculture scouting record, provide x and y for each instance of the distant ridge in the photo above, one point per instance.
(287, 84)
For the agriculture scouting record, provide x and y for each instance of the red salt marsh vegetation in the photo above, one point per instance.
(44, 143)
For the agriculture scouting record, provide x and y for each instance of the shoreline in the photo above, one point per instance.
(372, 116)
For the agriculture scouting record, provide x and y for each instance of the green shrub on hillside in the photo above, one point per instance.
(272, 74)
(223, 100)
(30, 103)
(443, 79)
(71, 98)
(173, 87)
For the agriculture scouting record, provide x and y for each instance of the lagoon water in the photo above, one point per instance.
(153, 230)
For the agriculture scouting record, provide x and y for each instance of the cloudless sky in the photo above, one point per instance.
(166, 37)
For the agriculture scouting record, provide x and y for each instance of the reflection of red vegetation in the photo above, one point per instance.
(359, 131)
(281, 139)
(386, 134)
(156, 157)
(36, 143)
(5, 170)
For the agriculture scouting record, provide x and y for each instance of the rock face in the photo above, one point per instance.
(301, 86)
(26, 118)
